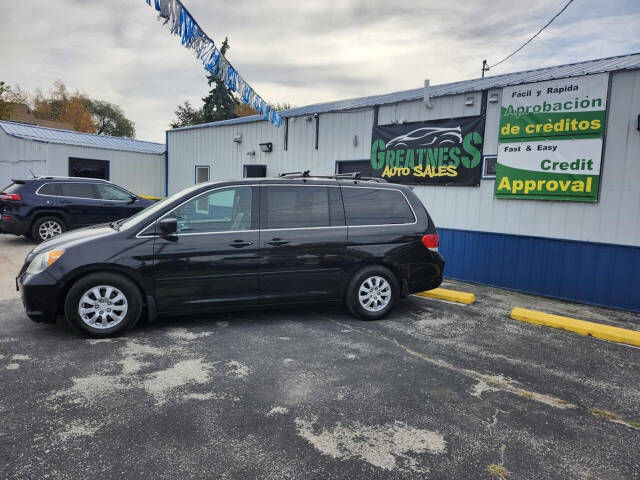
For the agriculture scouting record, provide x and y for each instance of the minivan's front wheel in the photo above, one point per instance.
(103, 305)
(372, 292)
(45, 228)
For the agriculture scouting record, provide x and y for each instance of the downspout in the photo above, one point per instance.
(166, 163)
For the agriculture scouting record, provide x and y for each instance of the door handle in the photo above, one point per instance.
(108, 204)
(240, 244)
(276, 242)
(64, 201)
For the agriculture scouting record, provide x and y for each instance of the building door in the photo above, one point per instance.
(303, 241)
(214, 257)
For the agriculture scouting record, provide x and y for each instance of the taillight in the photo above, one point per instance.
(10, 197)
(431, 241)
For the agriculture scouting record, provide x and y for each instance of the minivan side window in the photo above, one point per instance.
(78, 190)
(375, 206)
(300, 207)
(217, 211)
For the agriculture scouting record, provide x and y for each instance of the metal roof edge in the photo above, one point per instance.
(465, 86)
(62, 142)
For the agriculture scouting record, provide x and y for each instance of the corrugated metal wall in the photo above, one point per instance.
(141, 173)
(584, 247)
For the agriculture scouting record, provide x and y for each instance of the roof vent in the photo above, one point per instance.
(426, 100)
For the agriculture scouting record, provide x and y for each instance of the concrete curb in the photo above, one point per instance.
(582, 327)
(450, 295)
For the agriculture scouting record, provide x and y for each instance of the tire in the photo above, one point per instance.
(113, 315)
(45, 228)
(371, 283)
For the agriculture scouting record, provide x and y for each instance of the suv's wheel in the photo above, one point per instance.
(45, 228)
(103, 304)
(372, 292)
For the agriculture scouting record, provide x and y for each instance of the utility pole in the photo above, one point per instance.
(485, 67)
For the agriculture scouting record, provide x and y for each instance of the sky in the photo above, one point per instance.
(301, 52)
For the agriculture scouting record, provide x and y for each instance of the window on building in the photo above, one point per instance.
(350, 166)
(202, 173)
(226, 210)
(375, 206)
(78, 190)
(88, 168)
(295, 207)
(489, 167)
(110, 192)
(254, 171)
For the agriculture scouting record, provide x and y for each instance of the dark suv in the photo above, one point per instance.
(43, 207)
(243, 243)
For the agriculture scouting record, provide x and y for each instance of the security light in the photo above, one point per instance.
(252, 152)
(266, 147)
(469, 101)
(238, 138)
(493, 98)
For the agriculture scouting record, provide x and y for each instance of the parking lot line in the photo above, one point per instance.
(450, 295)
(582, 327)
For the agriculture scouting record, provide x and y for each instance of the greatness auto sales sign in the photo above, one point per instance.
(550, 142)
(437, 152)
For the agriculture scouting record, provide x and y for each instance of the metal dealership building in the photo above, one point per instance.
(136, 165)
(532, 178)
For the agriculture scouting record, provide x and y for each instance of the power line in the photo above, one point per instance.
(487, 67)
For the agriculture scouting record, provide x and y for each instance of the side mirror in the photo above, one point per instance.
(168, 226)
(133, 199)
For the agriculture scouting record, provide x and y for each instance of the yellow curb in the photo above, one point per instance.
(147, 197)
(450, 295)
(605, 332)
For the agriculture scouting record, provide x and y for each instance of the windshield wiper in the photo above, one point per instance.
(116, 225)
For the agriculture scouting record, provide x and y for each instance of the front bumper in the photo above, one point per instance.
(39, 296)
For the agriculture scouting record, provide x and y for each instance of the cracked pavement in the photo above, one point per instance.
(437, 390)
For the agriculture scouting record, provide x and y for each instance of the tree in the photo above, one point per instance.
(5, 107)
(110, 119)
(187, 115)
(220, 103)
(63, 106)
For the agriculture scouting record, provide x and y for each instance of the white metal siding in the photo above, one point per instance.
(142, 173)
(615, 219)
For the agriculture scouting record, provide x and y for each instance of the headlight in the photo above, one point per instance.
(44, 260)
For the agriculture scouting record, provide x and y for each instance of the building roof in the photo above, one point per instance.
(609, 64)
(65, 137)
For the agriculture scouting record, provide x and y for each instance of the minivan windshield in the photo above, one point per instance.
(150, 211)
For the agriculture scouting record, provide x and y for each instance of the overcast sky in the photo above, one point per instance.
(300, 52)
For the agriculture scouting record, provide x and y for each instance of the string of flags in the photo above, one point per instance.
(182, 24)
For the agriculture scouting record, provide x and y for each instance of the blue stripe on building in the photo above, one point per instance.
(594, 273)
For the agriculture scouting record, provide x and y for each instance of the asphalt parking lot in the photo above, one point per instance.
(437, 390)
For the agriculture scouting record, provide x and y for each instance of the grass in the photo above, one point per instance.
(498, 471)
(608, 415)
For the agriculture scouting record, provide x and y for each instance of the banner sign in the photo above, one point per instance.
(550, 139)
(436, 152)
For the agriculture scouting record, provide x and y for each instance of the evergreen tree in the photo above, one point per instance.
(219, 104)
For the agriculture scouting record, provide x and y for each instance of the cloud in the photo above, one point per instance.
(297, 52)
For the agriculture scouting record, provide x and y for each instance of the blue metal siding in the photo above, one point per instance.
(594, 273)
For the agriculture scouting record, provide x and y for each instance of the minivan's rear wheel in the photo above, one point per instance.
(45, 228)
(372, 292)
(103, 305)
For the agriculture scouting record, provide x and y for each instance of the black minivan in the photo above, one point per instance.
(244, 243)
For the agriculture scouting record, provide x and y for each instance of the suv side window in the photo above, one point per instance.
(109, 192)
(78, 190)
(49, 189)
(217, 211)
(375, 206)
(299, 207)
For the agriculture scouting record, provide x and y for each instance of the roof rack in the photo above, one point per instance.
(337, 176)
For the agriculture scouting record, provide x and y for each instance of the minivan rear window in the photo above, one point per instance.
(375, 206)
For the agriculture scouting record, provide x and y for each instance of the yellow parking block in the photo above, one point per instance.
(598, 330)
(148, 197)
(450, 295)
